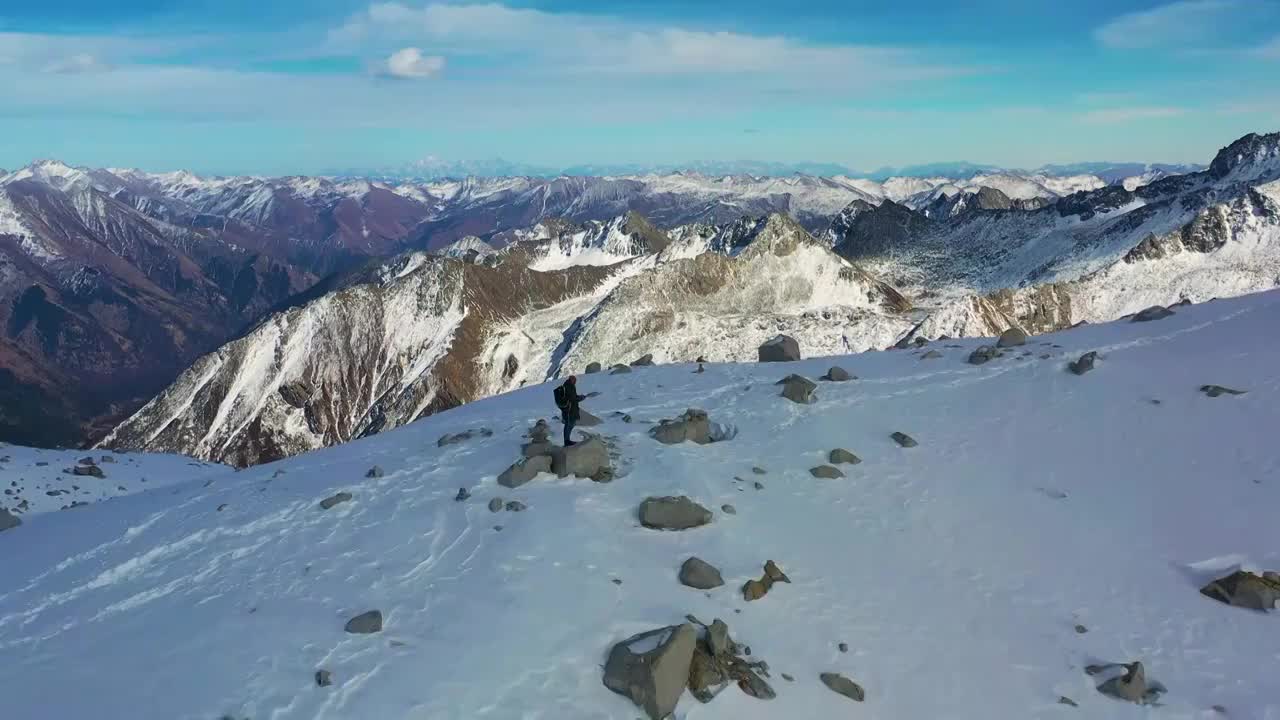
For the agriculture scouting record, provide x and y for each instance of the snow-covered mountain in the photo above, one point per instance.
(1044, 526)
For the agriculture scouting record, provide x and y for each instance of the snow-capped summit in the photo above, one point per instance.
(1252, 158)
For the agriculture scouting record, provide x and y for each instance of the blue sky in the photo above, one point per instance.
(305, 86)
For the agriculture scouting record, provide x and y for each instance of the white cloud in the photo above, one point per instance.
(1118, 115)
(1183, 22)
(76, 63)
(410, 63)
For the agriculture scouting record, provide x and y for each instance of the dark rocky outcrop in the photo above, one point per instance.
(1013, 337)
(837, 374)
(983, 354)
(673, 513)
(333, 500)
(693, 426)
(1155, 312)
(904, 439)
(593, 368)
(643, 361)
(524, 471)
(1083, 364)
(840, 456)
(826, 472)
(699, 574)
(840, 684)
(781, 348)
(1245, 590)
(1214, 391)
(588, 459)
(8, 520)
(365, 623)
(799, 389)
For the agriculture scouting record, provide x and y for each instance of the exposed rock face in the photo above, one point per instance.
(799, 389)
(365, 623)
(588, 459)
(1245, 590)
(673, 513)
(693, 426)
(780, 349)
(699, 574)
(524, 471)
(652, 668)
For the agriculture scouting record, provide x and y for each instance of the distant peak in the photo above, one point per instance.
(1252, 150)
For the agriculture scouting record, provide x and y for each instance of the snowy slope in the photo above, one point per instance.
(956, 571)
(36, 480)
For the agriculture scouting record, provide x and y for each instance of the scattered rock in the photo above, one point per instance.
(516, 506)
(673, 513)
(619, 369)
(593, 368)
(840, 456)
(904, 440)
(463, 495)
(1080, 629)
(843, 647)
(1130, 687)
(1084, 364)
(840, 684)
(88, 471)
(728, 509)
(759, 471)
(1214, 391)
(8, 520)
(534, 449)
(522, 472)
(693, 426)
(1013, 337)
(787, 677)
(495, 505)
(643, 361)
(1246, 590)
(700, 369)
(333, 500)
(86, 460)
(798, 389)
(1155, 312)
(699, 574)
(983, 354)
(826, 472)
(540, 432)
(931, 355)
(365, 623)
(754, 590)
(462, 437)
(106, 459)
(587, 459)
(222, 507)
(1064, 700)
(758, 485)
(837, 374)
(324, 678)
(781, 348)
(652, 668)
(774, 573)
(374, 472)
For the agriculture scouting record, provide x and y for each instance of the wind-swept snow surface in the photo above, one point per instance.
(957, 571)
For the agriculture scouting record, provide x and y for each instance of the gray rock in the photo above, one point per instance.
(516, 506)
(780, 349)
(774, 573)
(826, 472)
(1084, 364)
(1013, 337)
(840, 684)
(324, 678)
(699, 574)
(593, 368)
(534, 449)
(462, 437)
(728, 509)
(336, 499)
(107, 459)
(840, 456)
(693, 426)
(643, 361)
(984, 354)
(587, 459)
(652, 668)
(365, 623)
(1155, 312)
(1081, 630)
(718, 640)
(1064, 700)
(843, 647)
(904, 440)
(524, 471)
(837, 374)
(88, 471)
(540, 432)
(1214, 391)
(87, 460)
(374, 472)
(619, 369)
(8, 520)
(673, 513)
(931, 355)
(799, 389)
(495, 505)
(758, 485)
(759, 471)
(1245, 590)
(463, 495)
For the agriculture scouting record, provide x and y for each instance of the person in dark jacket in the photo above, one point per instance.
(567, 399)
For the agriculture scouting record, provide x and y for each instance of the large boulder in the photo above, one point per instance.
(8, 520)
(1084, 364)
(826, 472)
(643, 361)
(524, 471)
(88, 471)
(652, 668)
(799, 389)
(840, 456)
(365, 623)
(1013, 337)
(587, 459)
(1155, 312)
(1130, 687)
(593, 368)
(700, 574)
(984, 354)
(1245, 590)
(673, 513)
(693, 426)
(838, 683)
(619, 369)
(780, 349)
(836, 374)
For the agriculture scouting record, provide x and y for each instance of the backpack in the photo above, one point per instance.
(562, 398)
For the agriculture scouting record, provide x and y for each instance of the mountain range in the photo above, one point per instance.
(245, 319)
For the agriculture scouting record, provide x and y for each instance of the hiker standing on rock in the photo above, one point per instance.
(567, 399)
